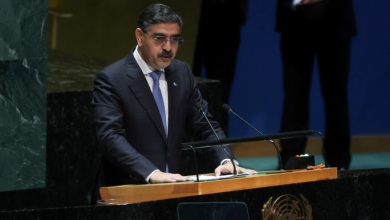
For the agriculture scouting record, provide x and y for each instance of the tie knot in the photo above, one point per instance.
(155, 75)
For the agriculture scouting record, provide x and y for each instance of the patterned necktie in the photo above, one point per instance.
(158, 97)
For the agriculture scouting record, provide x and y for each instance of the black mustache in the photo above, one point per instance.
(166, 54)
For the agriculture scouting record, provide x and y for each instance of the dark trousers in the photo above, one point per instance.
(298, 54)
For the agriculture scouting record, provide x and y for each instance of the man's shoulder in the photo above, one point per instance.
(115, 67)
(179, 62)
(179, 65)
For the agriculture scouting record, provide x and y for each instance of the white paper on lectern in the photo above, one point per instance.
(209, 177)
(212, 177)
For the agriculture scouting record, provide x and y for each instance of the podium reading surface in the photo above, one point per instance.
(128, 194)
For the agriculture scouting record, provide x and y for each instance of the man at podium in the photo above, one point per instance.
(145, 102)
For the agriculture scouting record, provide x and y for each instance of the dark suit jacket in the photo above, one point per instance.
(129, 127)
(333, 17)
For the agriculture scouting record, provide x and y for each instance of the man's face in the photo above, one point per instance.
(158, 46)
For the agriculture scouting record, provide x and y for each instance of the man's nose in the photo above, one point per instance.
(167, 45)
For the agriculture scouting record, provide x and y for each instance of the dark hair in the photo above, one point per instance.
(158, 13)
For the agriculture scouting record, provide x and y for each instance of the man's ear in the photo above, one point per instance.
(139, 36)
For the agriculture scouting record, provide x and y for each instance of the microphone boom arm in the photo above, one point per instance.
(216, 135)
(283, 135)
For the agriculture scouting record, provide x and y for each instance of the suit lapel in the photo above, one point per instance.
(141, 90)
(173, 92)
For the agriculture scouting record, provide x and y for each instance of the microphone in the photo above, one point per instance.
(216, 135)
(228, 109)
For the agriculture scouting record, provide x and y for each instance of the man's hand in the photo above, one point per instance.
(227, 168)
(161, 177)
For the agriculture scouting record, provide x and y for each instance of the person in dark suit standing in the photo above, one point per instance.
(143, 104)
(218, 40)
(322, 30)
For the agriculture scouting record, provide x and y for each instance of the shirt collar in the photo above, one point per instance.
(145, 68)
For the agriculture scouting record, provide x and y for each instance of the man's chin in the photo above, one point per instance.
(166, 59)
(164, 63)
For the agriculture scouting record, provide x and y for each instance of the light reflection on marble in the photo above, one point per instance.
(70, 72)
(9, 31)
(23, 80)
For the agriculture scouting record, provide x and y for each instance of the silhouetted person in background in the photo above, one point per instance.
(218, 41)
(319, 30)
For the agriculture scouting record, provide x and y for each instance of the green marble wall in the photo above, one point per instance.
(23, 80)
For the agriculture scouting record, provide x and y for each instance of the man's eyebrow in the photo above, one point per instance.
(161, 34)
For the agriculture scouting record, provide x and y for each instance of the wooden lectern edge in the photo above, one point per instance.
(266, 180)
(128, 194)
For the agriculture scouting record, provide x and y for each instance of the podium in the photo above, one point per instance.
(354, 194)
(129, 194)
